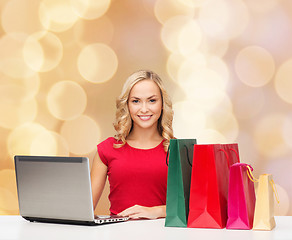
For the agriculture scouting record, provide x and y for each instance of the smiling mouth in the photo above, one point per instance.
(144, 117)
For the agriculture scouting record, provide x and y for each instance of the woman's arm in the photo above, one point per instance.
(98, 177)
(138, 211)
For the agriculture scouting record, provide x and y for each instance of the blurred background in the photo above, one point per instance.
(227, 65)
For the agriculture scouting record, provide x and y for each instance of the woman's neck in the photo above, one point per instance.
(144, 138)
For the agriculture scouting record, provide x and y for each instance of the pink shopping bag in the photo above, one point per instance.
(241, 197)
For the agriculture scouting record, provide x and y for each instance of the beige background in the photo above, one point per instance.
(226, 64)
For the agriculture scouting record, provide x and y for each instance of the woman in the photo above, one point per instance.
(134, 160)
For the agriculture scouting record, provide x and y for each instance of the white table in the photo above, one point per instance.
(14, 227)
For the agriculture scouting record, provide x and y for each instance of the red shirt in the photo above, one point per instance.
(136, 176)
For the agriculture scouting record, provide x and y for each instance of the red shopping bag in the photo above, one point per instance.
(209, 184)
(241, 197)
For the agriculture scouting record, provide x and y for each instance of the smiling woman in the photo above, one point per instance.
(134, 160)
(123, 124)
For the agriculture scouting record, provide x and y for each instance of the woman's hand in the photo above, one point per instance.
(138, 211)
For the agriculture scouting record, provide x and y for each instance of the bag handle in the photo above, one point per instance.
(221, 149)
(253, 179)
(275, 190)
(167, 154)
(232, 149)
(187, 150)
(250, 175)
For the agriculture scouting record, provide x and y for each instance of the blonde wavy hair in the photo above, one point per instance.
(123, 124)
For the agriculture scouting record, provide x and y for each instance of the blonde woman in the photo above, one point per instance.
(134, 160)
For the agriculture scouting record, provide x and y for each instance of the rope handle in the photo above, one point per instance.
(250, 175)
(187, 150)
(275, 190)
(221, 149)
(167, 154)
(232, 149)
(226, 156)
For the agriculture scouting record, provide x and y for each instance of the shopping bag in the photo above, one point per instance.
(180, 158)
(264, 207)
(241, 197)
(209, 184)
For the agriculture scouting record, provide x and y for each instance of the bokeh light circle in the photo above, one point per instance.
(192, 3)
(218, 65)
(84, 35)
(287, 130)
(42, 51)
(12, 63)
(198, 61)
(280, 169)
(213, 136)
(171, 31)
(282, 208)
(22, 137)
(268, 136)
(223, 19)
(187, 122)
(283, 83)
(189, 38)
(66, 100)
(167, 9)
(62, 145)
(217, 47)
(8, 179)
(255, 66)
(191, 64)
(97, 63)
(50, 144)
(173, 64)
(8, 202)
(205, 87)
(82, 134)
(262, 6)
(90, 9)
(8, 192)
(21, 16)
(14, 112)
(57, 15)
(248, 102)
(225, 122)
(19, 89)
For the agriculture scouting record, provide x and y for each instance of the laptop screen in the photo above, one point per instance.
(54, 187)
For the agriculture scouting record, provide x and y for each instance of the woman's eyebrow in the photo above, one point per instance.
(134, 97)
(153, 96)
(147, 98)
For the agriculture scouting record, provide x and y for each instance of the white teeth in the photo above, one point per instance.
(145, 117)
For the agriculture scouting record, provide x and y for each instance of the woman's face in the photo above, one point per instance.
(145, 104)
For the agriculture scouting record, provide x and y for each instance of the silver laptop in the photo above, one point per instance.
(57, 190)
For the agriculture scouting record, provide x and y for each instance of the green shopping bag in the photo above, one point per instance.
(180, 154)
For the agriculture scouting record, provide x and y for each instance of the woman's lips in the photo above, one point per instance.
(144, 117)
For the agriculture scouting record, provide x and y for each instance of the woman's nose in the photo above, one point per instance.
(144, 107)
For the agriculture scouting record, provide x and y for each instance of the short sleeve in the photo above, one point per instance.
(101, 155)
(105, 149)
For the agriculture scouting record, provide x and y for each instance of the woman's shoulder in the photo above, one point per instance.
(108, 142)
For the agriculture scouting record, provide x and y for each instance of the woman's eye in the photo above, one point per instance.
(135, 101)
(152, 100)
